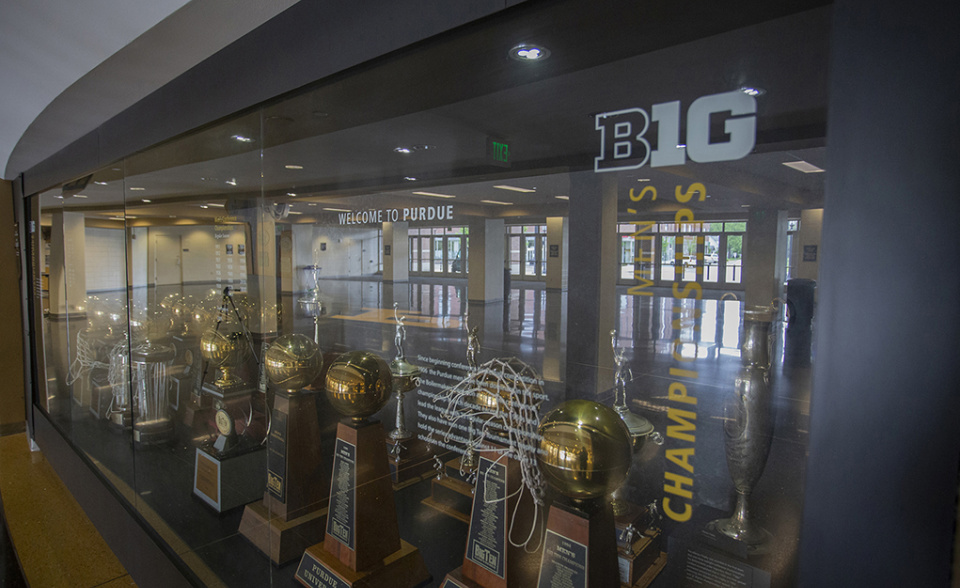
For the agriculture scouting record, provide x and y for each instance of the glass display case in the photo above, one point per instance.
(507, 308)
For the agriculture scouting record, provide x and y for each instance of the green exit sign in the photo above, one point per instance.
(498, 152)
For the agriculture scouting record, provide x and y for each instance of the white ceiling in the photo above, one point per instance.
(69, 66)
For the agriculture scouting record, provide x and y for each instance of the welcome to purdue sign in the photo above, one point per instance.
(623, 145)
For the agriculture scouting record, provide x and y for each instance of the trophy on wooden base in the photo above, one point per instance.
(225, 470)
(362, 546)
(584, 454)
(292, 513)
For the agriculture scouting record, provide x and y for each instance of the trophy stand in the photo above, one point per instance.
(225, 472)
(409, 457)
(585, 451)
(292, 513)
(362, 546)
(639, 545)
(490, 559)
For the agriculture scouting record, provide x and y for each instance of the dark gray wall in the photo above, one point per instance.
(885, 428)
(310, 41)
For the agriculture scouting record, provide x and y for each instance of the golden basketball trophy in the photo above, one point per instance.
(585, 452)
(410, 457)
(292, 513)
(362, 546)
(225, 471)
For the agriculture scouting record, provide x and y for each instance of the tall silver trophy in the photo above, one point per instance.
(748, 429)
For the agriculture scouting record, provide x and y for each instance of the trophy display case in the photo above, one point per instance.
(518, 325)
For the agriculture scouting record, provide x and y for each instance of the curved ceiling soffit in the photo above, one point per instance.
(167, 49)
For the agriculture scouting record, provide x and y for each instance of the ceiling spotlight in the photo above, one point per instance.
(292, 194)
(529, 52)
(146, 200)
(410, 178)
(60, 196)
(242, 139)
(404, 150)
(293, 166)
(204, 206)
(231, 182)
(752, 90)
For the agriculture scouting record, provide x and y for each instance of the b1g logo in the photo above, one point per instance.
(623, 146)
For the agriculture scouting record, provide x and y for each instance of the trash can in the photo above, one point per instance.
(800, 300)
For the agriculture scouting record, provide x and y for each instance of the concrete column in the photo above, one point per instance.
(591, 309)
(303, 255)
(764, 256)
(396, 252)
(263, 282)
(485, 280)
(68, 280)
(811, 225)
(558, 259)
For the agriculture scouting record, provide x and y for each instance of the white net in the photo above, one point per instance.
(499, 402)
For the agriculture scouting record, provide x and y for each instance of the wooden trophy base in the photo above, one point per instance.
(415, 459)
(224, 483)
(282, 541)
(643, 562)
(579, 548)
(403, 568)
(450, 495)
(455, 579)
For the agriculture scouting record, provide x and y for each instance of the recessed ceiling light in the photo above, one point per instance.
(424, 147)
(243, 139)
(137, 189)
(682, 146)
(173, 216)
(803, 166)
(215, 204)
(515, 188)
(148, 201)
(744, 206)
(320, 114)
(100, 183)
(60, 196)
(293, 166)
(643, 179)
(752, 90)
(204, 206)
(231, 182)
(311, 203)
(79, 195)
(434, 194)
(410, 178)
(497, 202)
(529, 52)
(403, 150)
(294, 212)
(338, 209)
(562, 197)
(204, 179)
(292, 194)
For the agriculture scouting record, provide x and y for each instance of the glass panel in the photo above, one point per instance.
(454, 261)
(627, 254)
(514, 252)
(734, 260)
(425, 254)
(711, 258)
(530, 256)
(734, 227)
(691, 265)
(543, 252)
(668, 257)
(438, 253)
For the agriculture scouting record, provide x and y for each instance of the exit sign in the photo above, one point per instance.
(498, 152)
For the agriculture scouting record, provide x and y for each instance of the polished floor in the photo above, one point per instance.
(55, 543)
(532, 325)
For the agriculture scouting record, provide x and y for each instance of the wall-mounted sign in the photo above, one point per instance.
(554, 251)
(809, 252)
(623, 144)
(386, 249)
(392, 215)
(323, 247)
